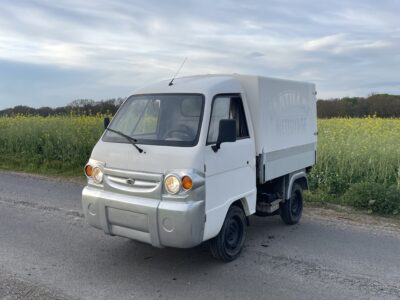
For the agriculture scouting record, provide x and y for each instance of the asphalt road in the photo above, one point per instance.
(48, 252)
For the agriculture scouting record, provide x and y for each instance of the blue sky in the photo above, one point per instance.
(52, 52)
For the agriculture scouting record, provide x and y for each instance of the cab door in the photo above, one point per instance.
(230, 172)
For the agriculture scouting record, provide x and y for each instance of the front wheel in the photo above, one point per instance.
(292, 208)
(228, 244)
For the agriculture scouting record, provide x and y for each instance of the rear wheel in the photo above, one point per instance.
(292, 208)
(228, 244)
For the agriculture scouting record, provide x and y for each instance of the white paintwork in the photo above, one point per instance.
(208, 85)
(231, 175)
(281, 114)
(158, 159)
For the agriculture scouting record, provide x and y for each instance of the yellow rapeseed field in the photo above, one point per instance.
(56, 144)
(355, 150)
(356, 157)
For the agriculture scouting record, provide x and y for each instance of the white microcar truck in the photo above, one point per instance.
(190, 160)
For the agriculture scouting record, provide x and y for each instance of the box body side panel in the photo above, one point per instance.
(285, 123)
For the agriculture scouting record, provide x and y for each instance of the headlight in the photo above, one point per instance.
(172, 184)
(97, 175)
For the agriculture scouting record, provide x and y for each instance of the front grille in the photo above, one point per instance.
(142, 184)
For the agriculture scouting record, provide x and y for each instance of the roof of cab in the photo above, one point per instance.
(204, 84)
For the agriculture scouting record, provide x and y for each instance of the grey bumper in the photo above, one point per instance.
(159, 223)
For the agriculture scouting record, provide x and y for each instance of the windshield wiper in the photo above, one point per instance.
(131, 140)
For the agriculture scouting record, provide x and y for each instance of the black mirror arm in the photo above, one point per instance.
(106, 122)
(216, 147)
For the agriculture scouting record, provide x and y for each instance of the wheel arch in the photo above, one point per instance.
(299, 177)
(242, 203)
(215, 220)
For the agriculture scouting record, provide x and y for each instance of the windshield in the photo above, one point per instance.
(162, 119)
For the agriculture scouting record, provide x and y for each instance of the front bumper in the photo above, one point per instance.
(161, 223)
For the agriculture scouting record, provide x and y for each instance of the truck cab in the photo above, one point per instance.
(186, 163)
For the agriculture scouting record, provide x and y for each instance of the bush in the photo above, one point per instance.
(374, 197)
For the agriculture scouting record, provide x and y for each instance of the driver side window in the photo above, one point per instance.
(227, 107)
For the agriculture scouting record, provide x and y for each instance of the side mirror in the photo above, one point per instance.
(106, 122)
(226, 133)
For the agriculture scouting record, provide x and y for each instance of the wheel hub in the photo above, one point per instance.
(233, 234)
(295, 205)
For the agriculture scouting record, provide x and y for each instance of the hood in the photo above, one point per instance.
(156, 159)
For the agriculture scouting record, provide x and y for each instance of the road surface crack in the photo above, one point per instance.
(19, 203)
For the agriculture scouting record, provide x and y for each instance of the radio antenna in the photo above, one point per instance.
(173, 78)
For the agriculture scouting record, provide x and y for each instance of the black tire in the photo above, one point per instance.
(228, 244)
(292, 208)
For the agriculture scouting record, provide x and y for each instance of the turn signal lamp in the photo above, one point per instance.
(88, 170)
(187, 182)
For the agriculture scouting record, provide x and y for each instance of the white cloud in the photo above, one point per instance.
(342, 43)
(330, 41)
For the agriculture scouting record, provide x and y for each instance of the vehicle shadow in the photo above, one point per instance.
(127, 263)
(261, 233)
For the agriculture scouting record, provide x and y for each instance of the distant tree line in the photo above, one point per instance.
(76, 107)
(380, 105)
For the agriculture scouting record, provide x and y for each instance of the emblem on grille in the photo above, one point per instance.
(130, 181)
